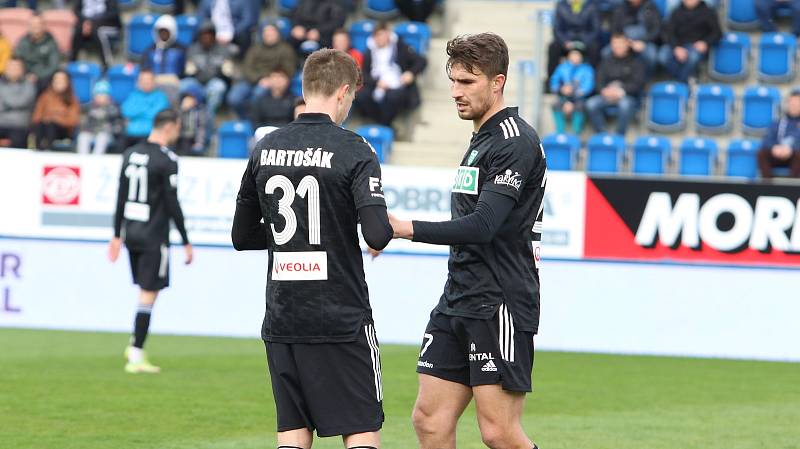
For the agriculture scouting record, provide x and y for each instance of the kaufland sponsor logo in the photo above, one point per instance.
(510, 179)
(770, 224)
(300, 266)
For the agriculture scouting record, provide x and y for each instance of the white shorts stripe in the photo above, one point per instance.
(162, 268)
(501, 333)
(372, 341)
(506, 333)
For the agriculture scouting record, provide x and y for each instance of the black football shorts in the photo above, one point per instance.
(333, 388)
(476, 352)
(150, 268)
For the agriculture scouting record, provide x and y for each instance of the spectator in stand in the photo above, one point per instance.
(276, 106)
(416, 10)
(390, 72)
(39, 52)
(209, 65)
(692, 29)
(575, 21)
(17, 96)
(639, 21)
(621, 79)
(5, 52)
(261, 60)
(99, 122)
(781, 145)
(299, 106)
(765, 10)
(234, 20)
(572, 81)
(141, 108)
(166, 58)
(341, 41)
(192, 139)
(98, 24)
(314, 23)
(57, 112)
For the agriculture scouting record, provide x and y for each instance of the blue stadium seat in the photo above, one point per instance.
(714, 108)
(380, 9)
(742, 15)
(730, 59)
(697, 156)
(84, 75)
(662, 7)
(234, 139)
(604, 153)
(777, 57)
(296, 86)
(742, 158)
(415, 34)
(122, 78)
(284, 26)
(561, 151)
(140, 34)
(165, 6)
(187, 28)
(287, 6)
(667, 106)
(380, 137)
(650, 155)
(760, 109)
(360, 31)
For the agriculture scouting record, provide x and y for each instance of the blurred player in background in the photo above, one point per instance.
(479, 341)
(311, 182)
(146, 202)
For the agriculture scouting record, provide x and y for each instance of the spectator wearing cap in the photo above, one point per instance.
(390, 71)
(17, 97)
(141, 108)
(97, 26)
(575, 21)
(620, 78)
(234, 20)
(691, 30)
(780, 147)
(262, 59)
(572, 81)
(314, 23)
(209, 66)
(39, 52)
(166, 56)
(766, 10)
(99, 122)
(342, 42)
(192, 139)
(639, 21)
(276, 106)
(57, 112)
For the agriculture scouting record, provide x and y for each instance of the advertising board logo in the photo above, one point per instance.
(61, 185)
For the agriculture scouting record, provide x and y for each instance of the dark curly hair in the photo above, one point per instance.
(486, 51)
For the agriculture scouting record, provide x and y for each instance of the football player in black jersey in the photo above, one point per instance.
(312, 182)
(147, 201)
(479, 341)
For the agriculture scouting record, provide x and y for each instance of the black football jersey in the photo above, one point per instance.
(310, 178)
(148, 197)
(505, 157)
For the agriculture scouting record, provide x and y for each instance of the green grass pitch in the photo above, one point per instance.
(68, 390)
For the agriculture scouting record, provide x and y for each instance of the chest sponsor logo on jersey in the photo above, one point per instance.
(310, 157)
(466, 180)
(300, 266)
(61, 185)
(509, 178)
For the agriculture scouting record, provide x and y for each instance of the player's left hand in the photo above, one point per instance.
(189, 254)
(403, 229)
(113, 249)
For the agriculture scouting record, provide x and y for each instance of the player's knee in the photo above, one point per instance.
(423, 420)
(496, 436)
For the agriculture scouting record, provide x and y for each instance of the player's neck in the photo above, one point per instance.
(498, 106)
(327, 106)
(158, 139)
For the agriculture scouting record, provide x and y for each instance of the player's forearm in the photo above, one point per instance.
(375, 226)
(248, 233)
(478, 227)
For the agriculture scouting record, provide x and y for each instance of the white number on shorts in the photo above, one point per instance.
(428, 340)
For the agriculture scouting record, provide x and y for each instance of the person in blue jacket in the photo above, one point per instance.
(166, 56)
(572, 81)
(141, 108)
(234, 20)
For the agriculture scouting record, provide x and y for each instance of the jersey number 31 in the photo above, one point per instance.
(307, 188)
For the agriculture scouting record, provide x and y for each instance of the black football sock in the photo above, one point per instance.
(535, 446)
(362, 447)
(289, 447)
(141, 325)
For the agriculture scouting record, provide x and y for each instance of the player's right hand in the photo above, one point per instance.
(189, 254)
(113, 249)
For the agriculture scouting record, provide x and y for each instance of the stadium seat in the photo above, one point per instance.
(284, 26)
(667, 106)
(165, 6)
(415, 34)
(84, 75)
(730, 59)
(360, 31)
(140, 34)
(777, 57)
(380, 137)
(561, 151)
(380, 9)
(122, 78)
(742, 158)
(14, 23)
(697, 156)
(61, 24)
(662, 7)
(742, 15)
(234, 139)
(287, 6)
(760, 109)
(187, 29)
(650, 155)
(296, 86)
(604, 153)
(714, 108)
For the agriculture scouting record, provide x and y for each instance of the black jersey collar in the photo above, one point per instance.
(498, 117)
(313, 117)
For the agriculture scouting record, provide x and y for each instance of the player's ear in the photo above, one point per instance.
(342, 92)
(498, 82)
